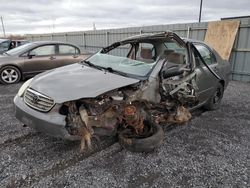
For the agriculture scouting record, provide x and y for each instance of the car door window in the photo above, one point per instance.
(175, 54)
(146, 53)
(206, 54)
(43, 50)
(120, 51)
(19, 43)
(68, 50)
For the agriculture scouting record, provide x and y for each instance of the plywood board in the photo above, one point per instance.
(221, 36)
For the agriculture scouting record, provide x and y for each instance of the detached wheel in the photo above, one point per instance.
(215, 101)
(9, 75)
(140, 143)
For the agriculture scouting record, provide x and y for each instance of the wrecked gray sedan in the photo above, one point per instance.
(128, 89)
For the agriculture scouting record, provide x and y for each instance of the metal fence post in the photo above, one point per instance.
(83, 41)
(188, 32)
(107, 38)
(65, 37)
(141, 31)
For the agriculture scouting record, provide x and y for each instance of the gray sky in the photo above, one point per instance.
(46, 16)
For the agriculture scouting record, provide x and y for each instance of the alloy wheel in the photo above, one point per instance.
(9, 75)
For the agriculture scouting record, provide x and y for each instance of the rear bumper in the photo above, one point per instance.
(51, 123)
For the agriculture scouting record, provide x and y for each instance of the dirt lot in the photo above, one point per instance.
(212, 150)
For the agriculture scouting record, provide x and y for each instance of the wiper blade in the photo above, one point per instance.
(91, 64)
(110, 69)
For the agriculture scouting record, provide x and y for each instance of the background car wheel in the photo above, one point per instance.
(215, 101)
(9, 75)
(142, 144)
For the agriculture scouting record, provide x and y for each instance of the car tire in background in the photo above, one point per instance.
(214, 102)
(10, 75)
(142, 144)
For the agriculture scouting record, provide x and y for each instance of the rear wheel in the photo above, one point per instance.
(9, 75)
(215, 101)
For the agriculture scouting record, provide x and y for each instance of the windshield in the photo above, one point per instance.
(134, 59)
(4, 45)
(20, 49)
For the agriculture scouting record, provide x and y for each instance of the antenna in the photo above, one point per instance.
(200, 11)
(3, 26)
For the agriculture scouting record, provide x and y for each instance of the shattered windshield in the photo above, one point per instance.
(134, 59)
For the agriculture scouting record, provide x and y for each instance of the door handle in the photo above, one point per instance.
(75, 56)
(52, 58)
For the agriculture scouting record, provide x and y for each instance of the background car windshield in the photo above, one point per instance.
(134, 60)
(4, 45)
(20, 49)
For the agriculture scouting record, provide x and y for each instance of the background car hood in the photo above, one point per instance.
(6, 59)
(77, 81)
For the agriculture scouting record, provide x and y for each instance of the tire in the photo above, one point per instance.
(215, 101)
(9, 75)
(143, 144)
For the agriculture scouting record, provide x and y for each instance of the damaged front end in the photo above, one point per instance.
(160, 101)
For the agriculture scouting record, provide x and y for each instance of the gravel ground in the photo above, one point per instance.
(212, 150)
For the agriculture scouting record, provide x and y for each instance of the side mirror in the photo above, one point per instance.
(170, 72)
(31, 54)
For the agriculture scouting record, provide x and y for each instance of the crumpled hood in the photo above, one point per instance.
(77, 81)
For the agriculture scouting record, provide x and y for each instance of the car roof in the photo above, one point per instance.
(51, 42)
(192, 40)
(158, 35)
(21, 40)
(145, 36)
(2, 40)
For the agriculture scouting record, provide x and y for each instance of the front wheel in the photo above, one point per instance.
(9, 75)
(146, 143)
(215, 101)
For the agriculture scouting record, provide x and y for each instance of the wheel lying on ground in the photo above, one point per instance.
(130, 141)
(215, 101)
(9, 75)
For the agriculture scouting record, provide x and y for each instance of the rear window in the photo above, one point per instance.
(67, 49)
(206, 54)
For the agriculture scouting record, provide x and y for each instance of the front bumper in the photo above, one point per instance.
(51, 123)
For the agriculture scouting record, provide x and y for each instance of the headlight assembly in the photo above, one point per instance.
(24, 87)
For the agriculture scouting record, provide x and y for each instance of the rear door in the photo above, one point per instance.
(67, 54)
(205, 80)
(40, 59)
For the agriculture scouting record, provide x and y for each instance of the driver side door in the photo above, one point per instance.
(205, 80)
(40, 59)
